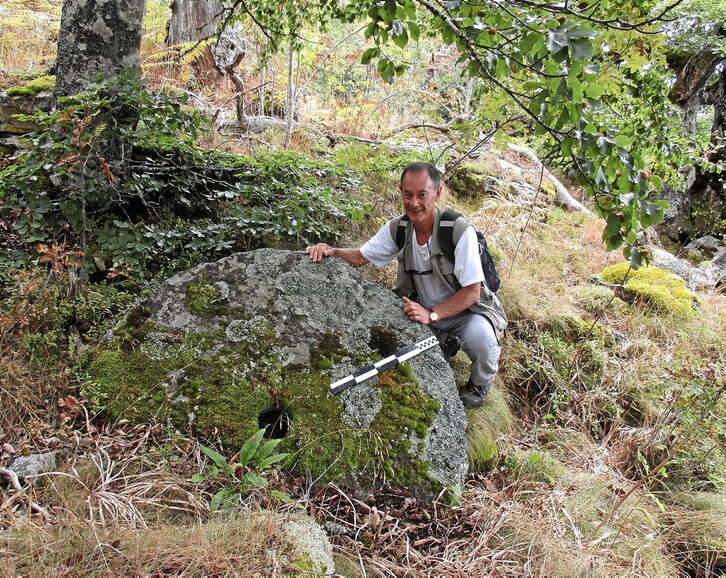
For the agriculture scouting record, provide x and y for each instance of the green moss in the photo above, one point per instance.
(533, 466)
(482, 448)
(486, 424)
(126, 385)
(33, 87)
(548, 188)
(383, 341)
(328, 352)
(204, 298)
(661, 288)
(320, 445)
(222, 394)
(469, 182)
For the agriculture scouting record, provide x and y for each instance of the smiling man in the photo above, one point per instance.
(447, 293)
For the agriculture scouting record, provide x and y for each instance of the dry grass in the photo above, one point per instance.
(249, 544)
(28, 35)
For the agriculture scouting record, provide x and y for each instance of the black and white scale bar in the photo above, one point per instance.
(383, 364)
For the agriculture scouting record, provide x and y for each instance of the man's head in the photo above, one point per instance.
(418, 167)
(421, 189)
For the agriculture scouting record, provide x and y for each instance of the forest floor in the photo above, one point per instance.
(608, 413)
(607, 458)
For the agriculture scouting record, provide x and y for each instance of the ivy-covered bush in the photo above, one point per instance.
(114, 175)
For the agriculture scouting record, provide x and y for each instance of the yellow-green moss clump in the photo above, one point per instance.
(33, 87)
(662, 289)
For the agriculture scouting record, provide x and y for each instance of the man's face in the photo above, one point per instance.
(420, 197)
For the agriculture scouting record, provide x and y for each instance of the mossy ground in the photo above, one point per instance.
(33, 87)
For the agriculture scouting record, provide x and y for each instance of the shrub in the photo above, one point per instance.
(115, 173)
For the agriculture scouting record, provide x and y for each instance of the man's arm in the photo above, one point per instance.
(351, 256)
(458, 302)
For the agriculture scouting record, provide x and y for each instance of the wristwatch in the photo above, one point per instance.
(433, 316)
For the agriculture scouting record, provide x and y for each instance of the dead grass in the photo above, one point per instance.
(28, 35)
(248, 544)
(28, 397)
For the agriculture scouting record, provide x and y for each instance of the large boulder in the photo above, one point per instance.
(224, 346)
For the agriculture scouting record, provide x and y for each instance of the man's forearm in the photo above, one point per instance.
(351, 256)
(459, 301)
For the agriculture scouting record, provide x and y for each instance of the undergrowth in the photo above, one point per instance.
(600, 451)
(113, 179)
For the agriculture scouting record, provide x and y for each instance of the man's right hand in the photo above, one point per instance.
(317, 252)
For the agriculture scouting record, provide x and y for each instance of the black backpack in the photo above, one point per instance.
(446, 241)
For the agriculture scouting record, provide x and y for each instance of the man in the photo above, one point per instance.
(448, 296)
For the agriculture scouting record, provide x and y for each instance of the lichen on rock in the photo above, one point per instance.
(216, 346)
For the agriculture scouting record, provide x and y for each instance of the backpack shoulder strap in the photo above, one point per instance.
(398, 228)
(451, 227)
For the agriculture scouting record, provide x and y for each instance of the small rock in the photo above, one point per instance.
(32, 465)
(716, 270)
(310, 540)
(693, 276)
(704, 248)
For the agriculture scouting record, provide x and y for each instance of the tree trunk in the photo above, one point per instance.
(97, 38)
(196, 20)
(290, 100)
(700, 208)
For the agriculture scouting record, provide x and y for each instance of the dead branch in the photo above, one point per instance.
(562, 197)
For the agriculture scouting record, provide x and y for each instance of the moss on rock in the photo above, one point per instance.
(33, 87)
(470, 183)
(661, 288)
(224, 345)
(205, 298)
(222, 392)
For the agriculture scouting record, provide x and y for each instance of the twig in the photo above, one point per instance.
(13, 478)
(15, 483)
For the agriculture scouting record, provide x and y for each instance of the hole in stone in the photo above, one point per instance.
(276, 421)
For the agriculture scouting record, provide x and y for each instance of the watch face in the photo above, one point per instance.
(434, 316)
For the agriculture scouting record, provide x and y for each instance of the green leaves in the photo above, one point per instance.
(254, 459)
(169, 202)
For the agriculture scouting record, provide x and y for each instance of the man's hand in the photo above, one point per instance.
(415, 311)
(317, 252)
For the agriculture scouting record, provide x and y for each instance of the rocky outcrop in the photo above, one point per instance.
(12, 105)
(264, 333)
(695, 277)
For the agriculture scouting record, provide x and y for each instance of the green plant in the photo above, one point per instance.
(661, 288)
(114, 174)
(254, 459)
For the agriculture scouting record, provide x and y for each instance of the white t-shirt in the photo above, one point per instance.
(382, 249)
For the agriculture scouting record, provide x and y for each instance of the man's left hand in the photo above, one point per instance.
(415, 311)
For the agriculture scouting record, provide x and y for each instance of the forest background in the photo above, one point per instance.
(608, 458)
